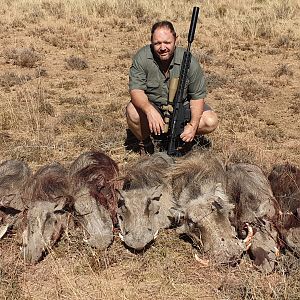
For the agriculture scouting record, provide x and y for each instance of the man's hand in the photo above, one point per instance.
(188, 133)
(155, 121)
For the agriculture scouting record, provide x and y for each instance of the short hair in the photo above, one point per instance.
(163, 24)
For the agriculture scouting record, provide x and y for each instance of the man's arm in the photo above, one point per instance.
(140, 100)
(197, 107)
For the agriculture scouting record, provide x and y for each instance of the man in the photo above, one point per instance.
(152, 68)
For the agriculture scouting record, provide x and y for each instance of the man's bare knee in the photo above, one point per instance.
(209, 122)
(132, 114)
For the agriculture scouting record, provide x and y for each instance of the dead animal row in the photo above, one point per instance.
(42, 205)
(227, 211)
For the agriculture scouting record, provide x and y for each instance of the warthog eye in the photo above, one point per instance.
(120, 217)
(121, 203)
(216, 205)
(191, 223)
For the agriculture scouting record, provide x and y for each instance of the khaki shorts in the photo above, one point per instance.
(187, 110)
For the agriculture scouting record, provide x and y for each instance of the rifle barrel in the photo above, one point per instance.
(193, 24)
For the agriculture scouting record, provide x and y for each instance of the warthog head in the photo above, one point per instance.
(285, 183)
(250, 190)
(96, 172)
(92, 176)
(143, 207)
(263, 246)
(141, 213)
(13, 175)
(94, 218)
(207, 222)
(255, 208)
(48, 203)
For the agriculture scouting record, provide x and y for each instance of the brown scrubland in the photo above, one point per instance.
(63, 91)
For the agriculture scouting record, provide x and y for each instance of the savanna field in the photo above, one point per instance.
(63, 91)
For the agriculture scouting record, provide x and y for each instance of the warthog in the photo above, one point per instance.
(48, 199)
(13, 175)
(199, 184)
(255, 208)
(144, 203)
(285, 183)
(93, 179)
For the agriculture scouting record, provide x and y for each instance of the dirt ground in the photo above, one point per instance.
(63, 91)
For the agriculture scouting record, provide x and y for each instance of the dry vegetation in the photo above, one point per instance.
(63, 89)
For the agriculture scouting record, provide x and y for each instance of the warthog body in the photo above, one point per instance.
(48, 199)
(255, 208)
(285, 183)
(199, 184)
(145, 201)
(13, 175)
(92, 177)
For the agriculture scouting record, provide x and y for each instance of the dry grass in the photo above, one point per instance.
(63, 90)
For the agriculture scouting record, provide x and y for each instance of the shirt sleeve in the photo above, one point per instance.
(197, 84)
(137, 74)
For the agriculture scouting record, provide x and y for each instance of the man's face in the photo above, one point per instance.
(163, 43)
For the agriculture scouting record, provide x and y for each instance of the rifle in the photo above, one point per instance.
(177, 120)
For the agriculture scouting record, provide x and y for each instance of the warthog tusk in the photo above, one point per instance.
(155, 235)
(3, 230)
(248, 240)
(277, 252)
(121, 236)
(203, 262)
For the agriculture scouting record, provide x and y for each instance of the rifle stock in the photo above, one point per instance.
(177, 119)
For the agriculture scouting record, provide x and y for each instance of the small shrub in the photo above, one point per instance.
(284, 9)
(76, 63)
(78, 100)
(24, 57)
(214, 81)
(10, 79)
(270, 133)
(221, 11)
(102, 9)
(204, 57)
(283, 70)
(55, 9)
(252, 90)
(47, 108)
(40, 73)
(126, 54)
(295, 104)
(283, 41)
(87, 121)
(68, 85)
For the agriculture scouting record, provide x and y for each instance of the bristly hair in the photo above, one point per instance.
(285, 183)
(147, 172)
(49, 183)
(193, 169)
(98, 172)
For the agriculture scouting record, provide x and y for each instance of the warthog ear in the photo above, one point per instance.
(63, 205)
(121, 197)
(221, 202)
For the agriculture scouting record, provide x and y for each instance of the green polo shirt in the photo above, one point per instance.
(146, 75)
